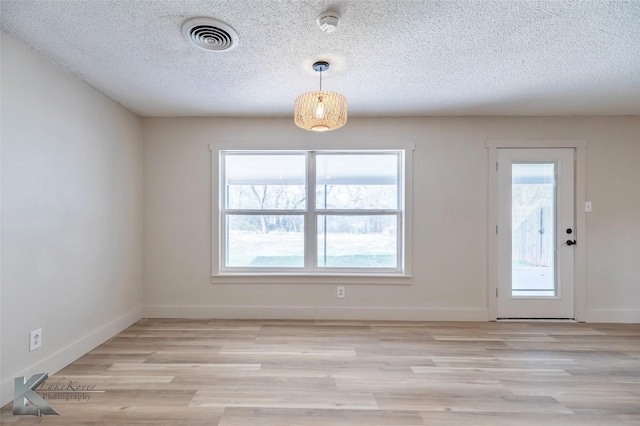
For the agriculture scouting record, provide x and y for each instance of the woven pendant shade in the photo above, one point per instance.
(320, 111)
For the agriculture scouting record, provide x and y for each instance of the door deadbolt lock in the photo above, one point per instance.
(571, 242)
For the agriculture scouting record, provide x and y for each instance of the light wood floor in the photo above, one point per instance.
(323, 373)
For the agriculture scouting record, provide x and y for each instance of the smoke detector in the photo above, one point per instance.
(328, 21)
(210, 34)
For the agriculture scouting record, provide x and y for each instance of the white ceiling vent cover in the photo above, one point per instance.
(210, 34)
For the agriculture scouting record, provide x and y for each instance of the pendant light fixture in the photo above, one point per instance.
(320, 111)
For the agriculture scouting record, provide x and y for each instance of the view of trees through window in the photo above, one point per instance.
(267, 210)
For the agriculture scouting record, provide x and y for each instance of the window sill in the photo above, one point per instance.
(266, 278)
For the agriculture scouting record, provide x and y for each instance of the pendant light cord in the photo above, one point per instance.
(321, 80)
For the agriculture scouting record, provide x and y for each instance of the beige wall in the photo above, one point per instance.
(449, 218)
(71, 215)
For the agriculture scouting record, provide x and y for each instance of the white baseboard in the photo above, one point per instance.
(65, 356)
(315, 313)
(613, 315)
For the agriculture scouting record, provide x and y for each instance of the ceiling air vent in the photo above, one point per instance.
(210, 34)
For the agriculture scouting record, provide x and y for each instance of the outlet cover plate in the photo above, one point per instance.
(35, 339)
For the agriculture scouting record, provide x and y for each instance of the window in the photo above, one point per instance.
(312, 212)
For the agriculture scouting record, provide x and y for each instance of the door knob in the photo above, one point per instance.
(571, 242)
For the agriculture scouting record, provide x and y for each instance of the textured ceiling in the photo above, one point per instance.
(388, 57)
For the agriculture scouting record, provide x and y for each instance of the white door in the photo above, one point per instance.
(536, 233)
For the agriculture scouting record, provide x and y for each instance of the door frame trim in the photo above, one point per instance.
(579, 273)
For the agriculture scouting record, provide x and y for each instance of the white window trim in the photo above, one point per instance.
(219, 277)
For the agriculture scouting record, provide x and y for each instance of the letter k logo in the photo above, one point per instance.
(24, 393)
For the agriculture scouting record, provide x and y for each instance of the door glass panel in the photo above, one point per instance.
(533, 230)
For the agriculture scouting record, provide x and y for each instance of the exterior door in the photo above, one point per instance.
(536, 233)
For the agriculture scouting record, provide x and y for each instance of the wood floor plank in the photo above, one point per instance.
(315, 417)
(258, 384)
(286, 399)
(325, 373)
(289, 349)
(488, 372)
(501, 362)
(521, 419)
(205, 371)
(475, 403)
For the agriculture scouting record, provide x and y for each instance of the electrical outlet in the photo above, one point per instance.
(340, 292)
(35, 339)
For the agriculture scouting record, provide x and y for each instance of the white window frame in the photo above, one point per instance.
(311, 274)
